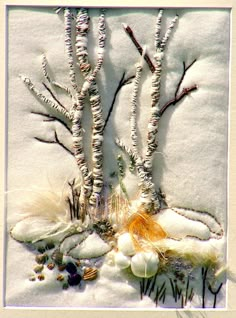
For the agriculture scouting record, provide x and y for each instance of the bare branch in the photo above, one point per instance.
(147, 185)
(44, 68)
(114, 99)
(152, 145)
(167, 34)
(63, 87)
(183, 75)
(158, 28)
(53, 95)
(178, 98)
(184, 92)
(90, 86)
(52, 118)
(122, 82)
(130, 33)
(82, 28)
(44, 99)
(215, 292)
(56, 141)
(73, 201)
(69, 48)
(58, 10)
(133, 117)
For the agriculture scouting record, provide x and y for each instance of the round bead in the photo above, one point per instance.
(125, 244)
(122, 261)
(71, 268)
(74, 279)
(145, 264)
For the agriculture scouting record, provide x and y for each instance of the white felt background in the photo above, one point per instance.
(191, 163)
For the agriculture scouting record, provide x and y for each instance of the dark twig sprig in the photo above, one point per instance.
(149, 286)
(123, 81)
(52, 118)
(53, 95)
(179, 96)
(73, 201)
(215, 292)
(204, 279)
(56, 141)
(177, 99)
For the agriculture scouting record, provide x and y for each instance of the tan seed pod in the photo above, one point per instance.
(90, 273)
(41, 258)
(50, 266)
(60, 277)
(32, 278)
(61, 267)
(38, 268)
(41, 277)
(57, 257)
(78, 263)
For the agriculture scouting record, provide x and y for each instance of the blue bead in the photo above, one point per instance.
(71, 268)
(74, 279)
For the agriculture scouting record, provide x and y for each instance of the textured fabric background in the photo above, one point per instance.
(191, 163)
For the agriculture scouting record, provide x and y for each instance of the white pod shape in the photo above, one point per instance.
(125, 244)
(144, 264)
(93, 246)
(122, 261)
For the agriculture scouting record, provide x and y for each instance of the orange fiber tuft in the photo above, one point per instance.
(142, 225)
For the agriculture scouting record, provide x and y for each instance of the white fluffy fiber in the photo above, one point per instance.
(195, 250)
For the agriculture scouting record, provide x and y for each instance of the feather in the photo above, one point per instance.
(141, 226)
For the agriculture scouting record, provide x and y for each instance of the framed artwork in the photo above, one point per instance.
(117, 167)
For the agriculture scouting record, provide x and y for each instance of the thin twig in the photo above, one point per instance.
(175, 100)
(64, 88)
(141, 284)
(173, 289)
(152, 286)
(130, 33)
(163, 295)
(56, 141)
(191, 294)
(52, 118)
(70, 207)
(58, 10)
(186, 292)
(160, 293)
(53, 95)
(69, 48)
(74, 201)
(183, 75)
(215, 293)
(122, 82)
(47, 102)
(204, 277)
(184, 92)
(44, 68)
(148, 282)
